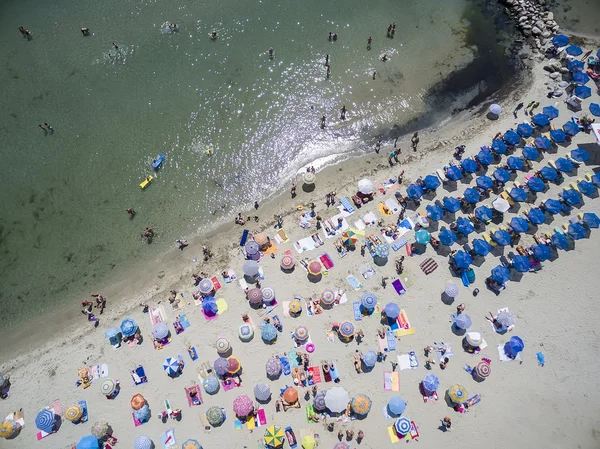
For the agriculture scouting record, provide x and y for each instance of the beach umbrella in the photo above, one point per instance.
(431, 182)
(261, 238)
(252, 248)
(558, 135)
(396, 406)
(549, 173)
(499, 146)
(482, 370)
(250, 268)
(434, 212)
(553, 206)
(581, 78)
(542, 143)
(369, 358)
(308, 178)
(521, 263)
(336, 399)
(511, 137)
(211, 384)
(234, 365)
(495, 109)
(502, 175)
(346, 329)
(341, 445)
(268, 332)
(474, 339)
(255, 295)
(571, 197)
(221, 366)
(431, 383)
(580, 155)
(88, 442)
(327, 297)
(524, 129)
(222, 345)
(137, 401)
(583, 92)
(505, 318)
(365, 186)
(368, 300)
(596, 179)
(402, 425)
(206, 286)
(414, 191)
(463, 321)
(481, 247)
(382, 250)
(171, 365)
(591, 220)
(540, 120)
(530, 153)
(560, 240)
(349, 238)
(451, 204)
(128, 327)
(268, 295)
(301, 333)
(191, 444)
(262, 392)
(447, 237)
(308, 442)
(319, 401)
(501, 237)
(108, 386)
(462, 259)
(485, 157)
(290, 395)
(484, 182)
(215, 416)
(99, 429)
(469, 165)
(560, 40)
(571, 128)
(274, 436)
(451, 290)
(209, 306)
(160, 331)
(295, 306)
(516, 345)
(515, 163)
(483, 213)
(143, 414)
(471, 195)
(74, 413)
(501, 205)
(457, 394)
(518, 194)
(315, 267)
(542, 252)
(535, 184)
(575, 66)
(110, 333)
(361, 404)
(245, 332)
(454, 173)
(243, 405)
(143, 442)
(273, 367)
(392, 310)
(595, 109)
(500, 274)
(464, 226)
(550, 111)
(576, 231)
(422, 236)
(573, 50)
(536, 216)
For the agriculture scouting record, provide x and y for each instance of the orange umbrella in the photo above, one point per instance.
(137, 402)
(290, 395)
(234, 365)
(260, 238)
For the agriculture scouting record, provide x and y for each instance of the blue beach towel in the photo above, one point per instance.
(347, 205)
(357, 312)
(354, 283)
(84, 417)
(391, 340)
(244, 237)
(334, 373)
(399, 243)
(183, 320)
(285, 366)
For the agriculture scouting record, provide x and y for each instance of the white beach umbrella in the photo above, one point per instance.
(365, 186)
(501, 205)
(337, 399)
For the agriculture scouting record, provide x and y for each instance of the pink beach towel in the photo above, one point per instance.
(190, 400)
(326, 261)
(207, 317)
(136, 421)
(261, 417)
(216, 283)
(316, 374)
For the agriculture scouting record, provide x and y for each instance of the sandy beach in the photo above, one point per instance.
(522, 403)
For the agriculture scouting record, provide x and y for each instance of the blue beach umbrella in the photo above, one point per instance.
(511, 137)
(447, 237)
(542, 143)
(370, 358)
(500, 274)
(524, 129)
(368, 300)
(502, 175)
(143, 414)
(88, 442)
(550, 111)
(471, 195)
(515, 345)
(483, 213)
(564, 164)
(128, 327)
(462, 259)
(463, 321)
(560, 40)
(549, 173)
(431, 182)
(574, 50)
(160, 331)
(521, 263)
(469, 165)
(454, 173)
(252, 248)
(583, 92)
(464, 226)
(210, 307)
(422, 236)
(515, 163)
(485, 157)
(268, 332)
(530, 153)
(540, 120)
(211, 384)
(434, 212)
(518, 194)
(586, 187)
(591, 220)
(481, 247)
(402, 426)
(536, 216)
(581, 78)
(571, 128)
(143, 442)
(391, 310)
(560, 240)
(112, 332)
(484, 182)
(553, 206)
(414, 191)
(501, 237)
(542, 252)
(221, 366)
(396, 406)
(580, 155)
(536, 184)
(575, 66)
(576, 231)
(45, 420)
(596, 179)
(519, 224)
(558, 135)
(451, 204)
(431, 382)
(171, 366)
(499, 146)
(595, 109)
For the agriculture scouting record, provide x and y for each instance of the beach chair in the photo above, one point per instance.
(552, 164)
(139, 375)
(574, 186)
(504, 194)
(486, 236)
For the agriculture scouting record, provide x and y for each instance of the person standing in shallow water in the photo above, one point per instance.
(323, 122)
(369, 42)
(343, 113)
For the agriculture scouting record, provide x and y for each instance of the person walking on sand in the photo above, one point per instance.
(293, 191)
(415, 141)
(393, 29)
(378, 146)
(389, 30)
(256, 205)
(360, 437)
(517, 109)
(328, 71)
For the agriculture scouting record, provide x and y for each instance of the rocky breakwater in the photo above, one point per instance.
(535, 22)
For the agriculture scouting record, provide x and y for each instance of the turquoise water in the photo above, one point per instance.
(63, 228)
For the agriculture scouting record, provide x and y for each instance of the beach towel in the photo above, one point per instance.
(382, 210)
(360, 225)
(231, 276)
(216, 283)
(139, 375)
(393, 205)
(347, 205)
(243, 283)
(316, 374)
(271, 250)
(193, 354)
(238, 425)
(393, 435)
(310, 412)
(342, 295)
(168, 439)
(326, 261)
(286, 308)
(443, 354)
(57, 407)
(157, 314)
(397, 244)
(428, 266)
(285, 366)
(397, 284)
(197, 400)
(357, 312)
(183, 320)
(244, 237)
(282, 235)
(404, 362)
(405, 225)
(306, 220)
(336, 229)
(205, 423)
(403, 324)
(305, 244)
(383, 345)
(369, 218)
(136, 422)
(504, 357)
(250, 424)
(222, 306)
(293, 358)
(367, 271)
(354, 283)
(330, 336)
(391, 340)
(261, 417)
(84, 416)
(333, 372)
(391, 381)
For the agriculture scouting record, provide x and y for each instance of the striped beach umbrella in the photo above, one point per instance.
(482, 370)
(346, 329)
(319, 401)
(143, 442)
(128, 327)
(474, 339)
(8, 428)
(308, 178)
(262, 392)
(273, 367)
(137, 401)
(349, 238)
(108, 386)
(255, 295)
(287, 262)
(223, 345)
(74, 413)
(160, 331)
(99, 429)
(451, 289)
(457, 394)
(261, 238)
(268, 295)
(171, 365)
(245, 332)
(361, 404)
(243, 405)
(221, 366)
(234, 365)
(268, 332)
(211, 384)
(368, 300)
(295, 306)
(402, 426)
(206, 286)
(215, 416)
(315, 267)
(301, 333)
(191, 444)
(327, 297)
(274, 436)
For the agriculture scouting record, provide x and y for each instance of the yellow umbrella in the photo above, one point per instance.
(457, 394)
(8, 428)
(308, 442)
(295, 306)
(274, 436)
(74, 413)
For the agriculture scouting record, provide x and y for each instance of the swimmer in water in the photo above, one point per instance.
(85, 31)
(384, 58)
(115, 45)
(369, 41)
(271, 52)
(213, 35)
(173, 26)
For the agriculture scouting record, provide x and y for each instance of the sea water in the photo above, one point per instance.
(114, 108)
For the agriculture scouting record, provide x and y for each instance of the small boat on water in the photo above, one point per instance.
(146, 182)
(156, 163)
